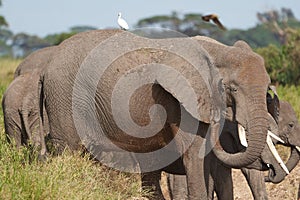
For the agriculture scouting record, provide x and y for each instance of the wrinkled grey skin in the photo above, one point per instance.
(244, 89)
(289, 132)
(57, 86)
(21, 110)
(21, 101)
(70, 54)
(237, 64)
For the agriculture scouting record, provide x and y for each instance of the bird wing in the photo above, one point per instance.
(206, 18)
(218, 23)
(215, 19)
(123, 24)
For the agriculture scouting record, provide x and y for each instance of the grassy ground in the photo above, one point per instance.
(70, 176)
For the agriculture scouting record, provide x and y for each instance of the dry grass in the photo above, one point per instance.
(69, 176)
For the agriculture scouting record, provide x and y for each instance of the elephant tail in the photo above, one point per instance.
(24, 118)
(41, 105)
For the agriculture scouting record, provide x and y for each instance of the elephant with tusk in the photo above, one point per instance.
(288, 135)
(247, 96)
(156, 99)
(110, 90)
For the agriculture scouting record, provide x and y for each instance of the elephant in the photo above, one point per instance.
(234, 66)
(21, 110)
(21, 101)
(37, 59)
(69, 96)
(288, 133)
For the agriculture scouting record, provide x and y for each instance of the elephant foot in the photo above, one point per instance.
(42, 158)
(151, 185)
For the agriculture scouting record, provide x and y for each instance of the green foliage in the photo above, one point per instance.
(283, 63)
(78, 29)
(290, 94)
(56, 39)
(192, 24)
(3, 22)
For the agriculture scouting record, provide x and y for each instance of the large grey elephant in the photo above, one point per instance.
(69, 97)
(289, 130)
(21, 101)
(243, 92)
(132, 55)
(230, 72)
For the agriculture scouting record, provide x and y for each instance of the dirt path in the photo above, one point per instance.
(286, 190)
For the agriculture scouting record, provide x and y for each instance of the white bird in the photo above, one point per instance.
(122, 23)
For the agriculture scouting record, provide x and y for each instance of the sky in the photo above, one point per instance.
(43, 17)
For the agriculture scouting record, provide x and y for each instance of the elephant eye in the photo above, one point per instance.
(233, 89)
(291, 124)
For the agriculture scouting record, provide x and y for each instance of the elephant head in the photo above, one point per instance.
(246, 84)
(289, 132)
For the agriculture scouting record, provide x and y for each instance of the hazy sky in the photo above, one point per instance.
(42, 17)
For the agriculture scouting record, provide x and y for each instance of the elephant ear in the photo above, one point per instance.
(273, 103)
(243, 45)
(193, 86)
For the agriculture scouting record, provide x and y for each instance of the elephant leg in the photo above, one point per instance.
(194, 166)
(177, 186)
(256, 182)
(151, 184)
(222, 181)
(14, 132)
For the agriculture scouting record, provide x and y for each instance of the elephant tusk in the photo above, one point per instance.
(275, 137)
(242, 135)
(275, 154)
(298, 148)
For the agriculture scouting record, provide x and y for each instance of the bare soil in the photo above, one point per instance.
(286, 190)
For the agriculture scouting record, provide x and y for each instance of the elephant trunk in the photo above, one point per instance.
(257, 129)
(280, 174)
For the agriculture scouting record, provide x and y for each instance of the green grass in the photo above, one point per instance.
(69, 176)
(290, 94)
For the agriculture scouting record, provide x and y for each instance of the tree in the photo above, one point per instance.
(283, 62)
(278, 22)
(189, 24)
(2, 19)
(23, 44)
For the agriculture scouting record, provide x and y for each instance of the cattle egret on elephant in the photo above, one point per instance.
(122, 23)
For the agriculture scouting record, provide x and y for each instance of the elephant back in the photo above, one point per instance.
(114, 85)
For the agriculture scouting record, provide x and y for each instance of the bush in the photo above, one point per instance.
(283, 63)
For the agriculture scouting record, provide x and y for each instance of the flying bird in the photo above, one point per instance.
(122, 23)
(215, 19)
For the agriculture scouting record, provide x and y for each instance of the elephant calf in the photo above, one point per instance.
(21, 111)
(21, 101)
(289, 132)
